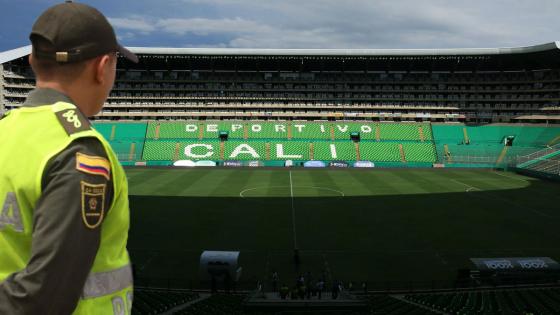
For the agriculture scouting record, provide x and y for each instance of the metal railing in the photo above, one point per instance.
(538, 154)
(250, 285)
(547, 166)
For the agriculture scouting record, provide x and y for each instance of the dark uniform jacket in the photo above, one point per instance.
(63, 248)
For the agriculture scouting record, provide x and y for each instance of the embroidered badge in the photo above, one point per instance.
(95, 165)
(93, 204)
(72, 121)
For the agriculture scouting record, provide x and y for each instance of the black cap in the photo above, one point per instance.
(77, 32)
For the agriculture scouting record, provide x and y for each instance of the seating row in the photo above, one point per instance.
(166, 150)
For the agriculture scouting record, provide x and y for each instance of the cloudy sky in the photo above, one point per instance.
(309, 23)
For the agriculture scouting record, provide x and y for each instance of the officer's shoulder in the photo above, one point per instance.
(90, 156)
(89, 146)
(71, 119)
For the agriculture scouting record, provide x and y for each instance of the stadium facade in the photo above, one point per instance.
(486, 85)
(482, 108)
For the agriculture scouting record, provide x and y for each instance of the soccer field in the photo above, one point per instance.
(391, 227)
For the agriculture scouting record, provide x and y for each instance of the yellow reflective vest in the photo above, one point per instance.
(108, 289)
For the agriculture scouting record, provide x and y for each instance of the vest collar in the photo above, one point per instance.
(46, 96)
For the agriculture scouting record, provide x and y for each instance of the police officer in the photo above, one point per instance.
(64, 213)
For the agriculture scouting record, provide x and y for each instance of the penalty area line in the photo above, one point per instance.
(469, 187)
(514, 204)
(510, 177)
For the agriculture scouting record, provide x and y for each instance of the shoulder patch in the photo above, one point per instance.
(72, 120)
(93, 204)
(95, 165)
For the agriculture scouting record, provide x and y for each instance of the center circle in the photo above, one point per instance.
(287, 191)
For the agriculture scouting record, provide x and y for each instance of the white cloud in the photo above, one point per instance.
(137, 23)
(125, 36)
(357, 23)
(204, 26)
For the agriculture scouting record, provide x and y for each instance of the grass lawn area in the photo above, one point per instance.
(392, 227)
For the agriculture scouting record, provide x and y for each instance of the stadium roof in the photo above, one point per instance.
(10, 55)
(345, 52)
(552, 46)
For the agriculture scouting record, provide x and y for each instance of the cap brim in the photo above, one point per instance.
(127, 53)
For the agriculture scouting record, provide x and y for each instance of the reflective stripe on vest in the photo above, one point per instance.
(108, 282)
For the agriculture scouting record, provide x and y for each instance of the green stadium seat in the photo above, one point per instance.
(267, 130)
(485, 143)
(245, 150)
(152, 301)
(380, 151)
(212, 129)
(199, 150)
(104, 129)
(305, 130)
(289, 150)
(400, 131)
(159, 150)
(419, 152)
(342, 130)
(505, 301)
(345, 150)
(174, 130)
(124, 138)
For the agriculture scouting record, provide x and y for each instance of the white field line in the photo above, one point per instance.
(506, 200)
(510, 177)
(527, 181)
(242, 193)
(293, 212)
(443, 261)
(148, 261)
(469, 187)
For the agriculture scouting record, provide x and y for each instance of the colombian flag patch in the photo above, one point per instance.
(95, 165)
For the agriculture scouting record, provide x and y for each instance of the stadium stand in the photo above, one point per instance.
(385, 304)
(166, 141)
(483, 144)
(219, 304)
(486, 86)
(232, 304)
(544, 161)
(127, 139)
(519, 301)
(543, 301)
(381, 142)
(549, 165)
(154, 302)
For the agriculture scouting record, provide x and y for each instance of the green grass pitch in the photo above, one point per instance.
(389, 227)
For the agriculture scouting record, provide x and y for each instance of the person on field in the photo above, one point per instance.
(64, 214)
(275, 281)
(284, 291)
